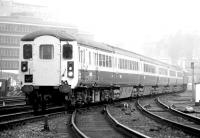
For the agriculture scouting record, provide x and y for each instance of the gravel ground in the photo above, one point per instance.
(59, 128)
(132, 118)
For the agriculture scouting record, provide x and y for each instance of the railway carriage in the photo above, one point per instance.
(58, 67)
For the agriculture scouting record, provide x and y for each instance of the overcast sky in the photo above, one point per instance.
(129, 24)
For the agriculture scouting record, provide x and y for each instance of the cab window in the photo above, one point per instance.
(46, 51)
(67, 51)
(27, 51)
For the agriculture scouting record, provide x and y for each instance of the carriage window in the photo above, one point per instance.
(107, 61)
(94, 55)
(100, 60)
(27, 51)
(67, 51)
(90, 58)
(110, 61)
(46, 51)
(95, 59)
(172, 73)
(104, 60)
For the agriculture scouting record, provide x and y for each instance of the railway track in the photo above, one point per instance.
(181, 103)
(94, 124)
(154, 110)
(10, 98)
(98, 122)
(8, 120)
(9, 109)
(136, 120)
(13, 109)
(11, 101)
(86, 122)
(179, 113)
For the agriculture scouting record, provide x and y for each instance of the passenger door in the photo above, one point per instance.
(46, 61)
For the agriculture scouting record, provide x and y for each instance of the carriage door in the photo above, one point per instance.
(96, 63)
(46, 61)
(115, 69)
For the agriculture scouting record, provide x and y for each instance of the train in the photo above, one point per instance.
(58, 67)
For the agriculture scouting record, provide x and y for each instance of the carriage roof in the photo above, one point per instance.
(61, 35)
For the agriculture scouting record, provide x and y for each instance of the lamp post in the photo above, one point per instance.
(193, 91)
(1, 66)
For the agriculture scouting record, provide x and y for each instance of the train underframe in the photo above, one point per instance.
(106, 94)
(41, 97)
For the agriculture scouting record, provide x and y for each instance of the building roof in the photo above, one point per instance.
(61, 35)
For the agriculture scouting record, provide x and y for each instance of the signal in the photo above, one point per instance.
(70, 69)
(24, 66)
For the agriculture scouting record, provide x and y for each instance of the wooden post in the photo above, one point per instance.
(46, 124)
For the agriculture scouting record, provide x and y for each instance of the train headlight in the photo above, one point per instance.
(70, 74)
(70, 69)
(24, 66)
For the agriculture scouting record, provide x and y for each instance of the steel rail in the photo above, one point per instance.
(13, 106)
(11, 98)
(50, 112)
(75, 128)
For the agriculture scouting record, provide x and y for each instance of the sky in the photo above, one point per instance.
(134, 25)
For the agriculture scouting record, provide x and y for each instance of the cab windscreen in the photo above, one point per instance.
(27, 51)
(67, 51)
